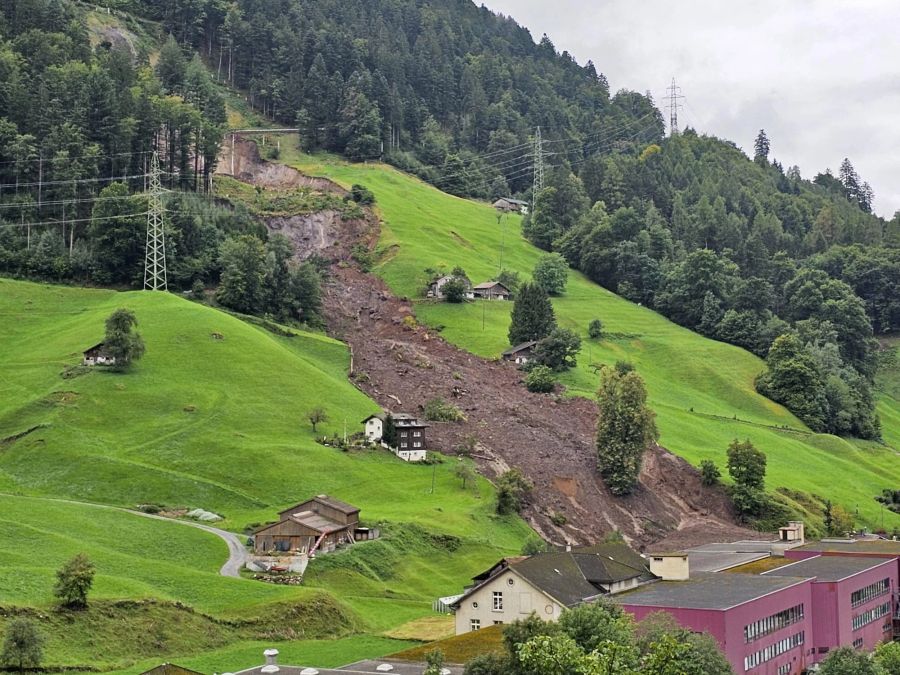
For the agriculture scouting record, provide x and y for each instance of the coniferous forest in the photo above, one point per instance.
(732, 245)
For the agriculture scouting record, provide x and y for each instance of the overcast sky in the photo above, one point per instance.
(822, 77)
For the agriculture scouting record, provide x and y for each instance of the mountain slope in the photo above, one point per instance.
(701, 389)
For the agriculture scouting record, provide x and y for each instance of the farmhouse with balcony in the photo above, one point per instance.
(320, 524)
(492, 290)
(98, 356)
(547, 583)
(410, 441)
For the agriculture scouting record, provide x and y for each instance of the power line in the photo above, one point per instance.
(74, 220)
(76, 181)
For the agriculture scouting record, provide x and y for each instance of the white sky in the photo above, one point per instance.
(822, 77)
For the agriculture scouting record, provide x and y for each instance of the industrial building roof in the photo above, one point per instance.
(829, 568)
(862, 546)
(719, 557)
(707, 591)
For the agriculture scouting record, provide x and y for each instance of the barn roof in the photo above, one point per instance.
(520, 348)
(96, 348)
(518, 202)
(336, 504)
(490, 284)
(316, 522)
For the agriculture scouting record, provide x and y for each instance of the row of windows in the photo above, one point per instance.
(873, 614)
(785, 669)
(864, 595)
(770, 624)
(858, 643)
(772, 651)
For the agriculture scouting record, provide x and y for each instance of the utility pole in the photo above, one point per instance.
(155, 267)
(538, 167)
(674, 96)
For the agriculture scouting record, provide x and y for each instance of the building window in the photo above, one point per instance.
(498, 623)
(417, 444)
(858, 643)
(417, 434)
(864, 619)
(474, 624)
(774, 651)
(770, 624)
(498, 601)
(510, 581)
(785, 669)
(864, 595)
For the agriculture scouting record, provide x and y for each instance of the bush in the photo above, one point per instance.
(362, 195)
(437, 410)
(558, 350)
(534, 545)
(454, 290)
(512, 489)
(540, 380)
(363, 256)
(595, 329)
(559, 519)
(709, 472)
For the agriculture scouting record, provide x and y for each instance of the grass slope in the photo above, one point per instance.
(702, 390)
(212, 423)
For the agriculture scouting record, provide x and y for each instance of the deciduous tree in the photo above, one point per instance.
(121, 341)
(23, 645)
(74, 581)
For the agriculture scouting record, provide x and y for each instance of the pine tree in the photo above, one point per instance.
(532, 315)
(761, 148)
(625, 429)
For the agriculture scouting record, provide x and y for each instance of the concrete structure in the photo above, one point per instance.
(97, 356)
(318, 524)
(670, 566)
(492, 290)
(793, 532)
(763, 624)
(852, 599)
(547, 583)
(520, 354)
(510, 205)
(367, 667)
(410, 445)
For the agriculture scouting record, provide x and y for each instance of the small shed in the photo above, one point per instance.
(510, 205)
(520, 354)
(98, 356)
(492, 290)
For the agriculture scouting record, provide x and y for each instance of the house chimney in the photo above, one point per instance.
(670, 566)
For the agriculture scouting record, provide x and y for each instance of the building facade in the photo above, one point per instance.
(319, 524)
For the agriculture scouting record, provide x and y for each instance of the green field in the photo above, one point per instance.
(702, 390)
(217, 424)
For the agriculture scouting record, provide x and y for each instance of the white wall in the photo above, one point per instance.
(374, 430)
(519, 600)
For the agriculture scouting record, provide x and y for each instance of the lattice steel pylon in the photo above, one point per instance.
(155, 266)
(538, 167)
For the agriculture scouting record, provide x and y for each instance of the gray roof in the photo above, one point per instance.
(490, 284)
(513, 201)
(860, 546)
(829, 568)
(336, 504)
(559, 576)
(707, 591)
(400, 420)
(316, 522)
(520, 348)
(719, 557)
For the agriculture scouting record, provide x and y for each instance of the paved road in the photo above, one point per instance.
(237, 552)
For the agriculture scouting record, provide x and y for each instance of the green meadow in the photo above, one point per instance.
(702, 390)
(212, 417)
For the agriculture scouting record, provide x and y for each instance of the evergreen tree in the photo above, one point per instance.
(625, 429)
(761, 148)
(121, 342)
(532, 315)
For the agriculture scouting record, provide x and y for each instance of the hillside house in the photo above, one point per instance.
(97, 356)
(547, 584)
(520, 354)
(492, 290)
(436, 287)
(510, 205)
(320, 524)
(411, 446)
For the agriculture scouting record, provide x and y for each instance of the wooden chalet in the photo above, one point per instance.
(97, 356)
(411, 446)
(436, 287)
(510, 205)
(520, 354)
(492, 290)
(318, 524)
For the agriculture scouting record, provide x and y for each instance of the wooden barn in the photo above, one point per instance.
(318, 524)
(492, 290)
(98, 356)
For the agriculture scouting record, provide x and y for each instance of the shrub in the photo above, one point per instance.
(437, 410)
(454, 290)
(709, 472)
(362, 195)
(534, 545)
(512, 489)
(595, 329)
(363, 256)
(559, 519)
(540, 380)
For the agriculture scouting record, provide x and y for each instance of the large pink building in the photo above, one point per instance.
(852, 600)
(762, 623)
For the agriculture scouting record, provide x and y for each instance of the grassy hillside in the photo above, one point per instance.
(702, 390)
(212, 423)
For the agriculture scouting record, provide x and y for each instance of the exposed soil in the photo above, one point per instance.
(550, 438)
